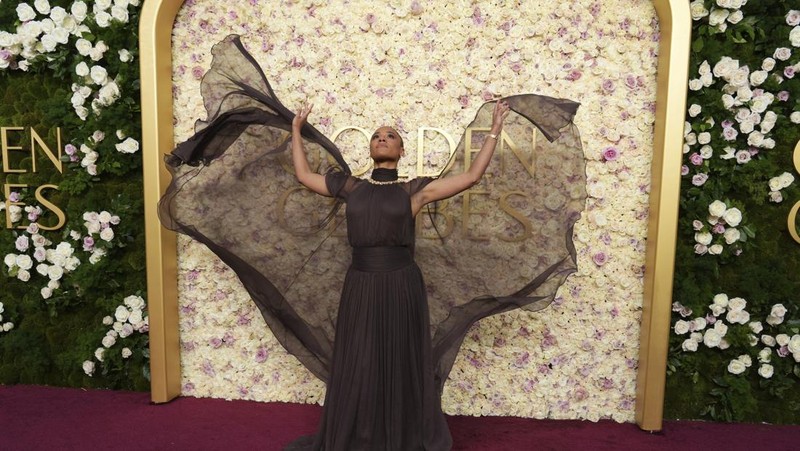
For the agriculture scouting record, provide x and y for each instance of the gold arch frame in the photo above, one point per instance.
(155, 28)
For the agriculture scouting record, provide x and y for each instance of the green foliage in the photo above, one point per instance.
(699, 384)
(52, 337)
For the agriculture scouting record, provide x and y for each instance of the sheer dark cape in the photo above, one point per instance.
(505, 245)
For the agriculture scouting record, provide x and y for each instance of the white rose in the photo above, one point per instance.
(732, 235)
(768, 64)
(83, 46)
(108, 341)
(736, 367)
(107, 234)
(795, 117)
(768, 340)
(99, 75)
(716, 310)
(25, 12)
(766, 370)
(126, 331)
(98, 354)
(786, 179)
(55, 272)
(728, 101)
(756, 327)
(102, 5)
(717, 17)
(704, 138)
(715, 249)
(24, 262)
(735, 17)
(681, 327)
(130, 145)
(88, 367)
(117, 326)
(102, 19)
(773, 320)
(737, 303)
(134, 302)
(698, 9)
(97, 255)
(82, 69)
(782, 53)
(43, 6)
(126, 352)
(9, 326)
(79, 10)
(689, 345)
(125, 56)
(717, 208)
(10, 260)
(732, 216)
(758, 77)
(694, 110)
(695, 84)
(120, 13)
(738, 317)
(782, 339)
(135, 317)
(794, 37)
(794, 344)
(706, 152)
(721, 328)
(46, 292)
(107, 320)
(778, 310)
(703, 238)
(721, 299)
(700, 323)
(765, 355)
(725, 67)
(793, 17)
(711, 338)
(122, 314)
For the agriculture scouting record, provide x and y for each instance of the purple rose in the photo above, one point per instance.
(684, 169)
(574, 74)
(630, 82)
(788, 72)
(608, 86)
(727, 123)
(783, 96)
(14, 196)
(610, 153)
(718, 228)
(729, 133)
(600, 258)
(696, 159)
(783, 351)
(699, 179)
(197, 72)
(88, 243)
(22, 243)
(69, 149)
(261, 355)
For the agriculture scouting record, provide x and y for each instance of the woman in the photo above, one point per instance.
(382, 393)
(233, 191)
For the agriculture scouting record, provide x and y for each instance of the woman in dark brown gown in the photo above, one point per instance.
(382, 392)
(232, 191)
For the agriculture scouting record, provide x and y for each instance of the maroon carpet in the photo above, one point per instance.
(38, 418)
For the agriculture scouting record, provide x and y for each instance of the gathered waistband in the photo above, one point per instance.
(381, 258)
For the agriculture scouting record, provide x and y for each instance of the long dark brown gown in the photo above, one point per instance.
(385, 344)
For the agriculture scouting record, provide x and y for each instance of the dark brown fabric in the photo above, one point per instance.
(396, 337)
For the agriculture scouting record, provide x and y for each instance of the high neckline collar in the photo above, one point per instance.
(384, 174)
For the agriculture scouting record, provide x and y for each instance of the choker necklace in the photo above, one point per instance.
(383, 176)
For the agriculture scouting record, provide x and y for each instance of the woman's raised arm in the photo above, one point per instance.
(310, 179)
(450, 186)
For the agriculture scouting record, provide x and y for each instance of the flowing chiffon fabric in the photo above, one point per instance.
(396, 336)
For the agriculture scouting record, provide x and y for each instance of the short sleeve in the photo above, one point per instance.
(339, 184)
(415, 185)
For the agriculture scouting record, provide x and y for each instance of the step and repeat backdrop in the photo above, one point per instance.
(73, 303)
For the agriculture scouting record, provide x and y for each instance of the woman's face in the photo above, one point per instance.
(385, 145)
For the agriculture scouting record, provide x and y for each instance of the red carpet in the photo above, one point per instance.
(39, 418)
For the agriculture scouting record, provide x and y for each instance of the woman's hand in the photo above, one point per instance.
(301, 117)
(501, 110)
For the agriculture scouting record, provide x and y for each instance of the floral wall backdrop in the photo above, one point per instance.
(735, 347)
(72, 310)
(431, 64)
